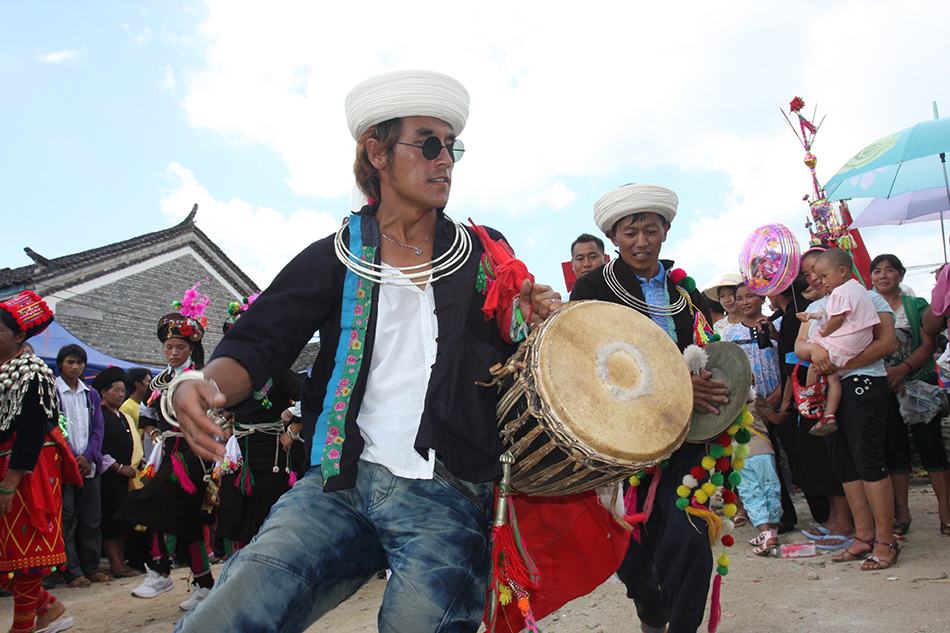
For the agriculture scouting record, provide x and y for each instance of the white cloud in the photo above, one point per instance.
(598, 94)
(168, 83)
(140, 38)
(58, 57)
(259, 239)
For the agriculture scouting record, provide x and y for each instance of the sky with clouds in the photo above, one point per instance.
(119, 116)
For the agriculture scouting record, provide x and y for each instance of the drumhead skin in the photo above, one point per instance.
(615, 380)
(729, 365)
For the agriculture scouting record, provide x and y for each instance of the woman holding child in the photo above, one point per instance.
(857, 447)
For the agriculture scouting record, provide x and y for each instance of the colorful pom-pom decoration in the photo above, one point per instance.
(683, 491)
(634, 480)
(738, 464)
(728, 540)
(735, 479)
(729, 509)
(716, 451)
(708, 462)
(698, 472)
(689, 481)
(709, 488)
(681, 503)
(717, 479)
(700, 496)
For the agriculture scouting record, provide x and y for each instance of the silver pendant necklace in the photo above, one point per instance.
(416, 249)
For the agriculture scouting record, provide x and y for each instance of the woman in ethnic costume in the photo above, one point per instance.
(120, 465)
(265, 456)
(34, 463)
(172, 505)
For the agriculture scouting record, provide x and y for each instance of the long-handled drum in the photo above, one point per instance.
(598, 392)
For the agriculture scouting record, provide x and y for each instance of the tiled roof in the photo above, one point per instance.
(44, 268)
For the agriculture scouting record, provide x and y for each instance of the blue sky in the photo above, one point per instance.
(118, 116)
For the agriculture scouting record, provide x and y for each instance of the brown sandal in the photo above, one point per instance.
(876, 563)
(847, 556)
(945, 529)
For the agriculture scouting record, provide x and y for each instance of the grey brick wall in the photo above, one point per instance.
(121, 318)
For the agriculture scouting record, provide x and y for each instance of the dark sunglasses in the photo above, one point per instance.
(432, 147)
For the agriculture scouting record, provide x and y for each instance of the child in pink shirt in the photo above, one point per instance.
(846, 330)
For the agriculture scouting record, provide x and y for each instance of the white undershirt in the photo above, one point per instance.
(76, 408)
(403, 355)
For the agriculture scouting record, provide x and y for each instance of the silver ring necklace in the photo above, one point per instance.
(637, 303)
(442, 266)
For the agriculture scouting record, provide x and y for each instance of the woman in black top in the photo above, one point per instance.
(117, 467)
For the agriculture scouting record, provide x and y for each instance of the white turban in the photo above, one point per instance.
(631, 199)
(406, 93)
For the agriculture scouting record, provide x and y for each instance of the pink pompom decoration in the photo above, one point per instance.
(193, 304)
(770, 259)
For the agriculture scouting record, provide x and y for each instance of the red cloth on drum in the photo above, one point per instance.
(31, 532)
(576, 544)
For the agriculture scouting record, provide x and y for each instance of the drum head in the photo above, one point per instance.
(615, 380)
(729, 365)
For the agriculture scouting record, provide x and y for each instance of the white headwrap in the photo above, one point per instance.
(406, 93)
(630, 199)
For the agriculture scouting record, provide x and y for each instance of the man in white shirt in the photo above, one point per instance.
(82, 509)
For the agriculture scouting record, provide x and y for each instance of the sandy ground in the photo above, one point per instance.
(759, 595)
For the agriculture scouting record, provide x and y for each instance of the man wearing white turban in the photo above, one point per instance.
(403, 444)
(667, 572)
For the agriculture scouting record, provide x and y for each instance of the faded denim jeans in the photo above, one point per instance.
(317, 548)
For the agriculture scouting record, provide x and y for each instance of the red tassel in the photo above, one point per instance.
(510, 273)
(506, 556)
(637, 518)
(715, 608)
(178, 468)
(293, 478)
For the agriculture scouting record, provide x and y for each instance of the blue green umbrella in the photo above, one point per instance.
(906, 161)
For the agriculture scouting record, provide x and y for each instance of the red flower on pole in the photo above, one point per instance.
(796, 104)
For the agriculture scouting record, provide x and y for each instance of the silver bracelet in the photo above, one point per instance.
(165, 402)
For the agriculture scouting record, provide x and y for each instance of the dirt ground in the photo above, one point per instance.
(759, 595)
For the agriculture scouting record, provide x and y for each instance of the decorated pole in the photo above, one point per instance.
(827, 225)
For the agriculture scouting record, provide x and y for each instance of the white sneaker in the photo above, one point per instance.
(197, 595)
(154, 584)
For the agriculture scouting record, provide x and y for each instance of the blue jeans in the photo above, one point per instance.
(317, 548)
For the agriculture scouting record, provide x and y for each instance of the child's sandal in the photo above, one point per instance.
(768, 543)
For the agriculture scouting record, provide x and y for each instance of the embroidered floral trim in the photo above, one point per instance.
(336, 423)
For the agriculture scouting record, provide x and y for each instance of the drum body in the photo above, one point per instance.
(597, 392)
